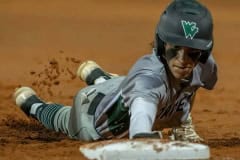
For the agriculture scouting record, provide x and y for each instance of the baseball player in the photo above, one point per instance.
(158, 90)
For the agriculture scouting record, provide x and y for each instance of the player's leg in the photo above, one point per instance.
(92, 73)
(88, 105)
(52, 116)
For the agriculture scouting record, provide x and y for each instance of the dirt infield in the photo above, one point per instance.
(43, 42)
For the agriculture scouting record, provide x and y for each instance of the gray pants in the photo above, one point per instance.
(76, 121)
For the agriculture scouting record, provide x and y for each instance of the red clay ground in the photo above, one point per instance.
(43, 42)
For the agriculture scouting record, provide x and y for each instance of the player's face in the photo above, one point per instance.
(181, 60)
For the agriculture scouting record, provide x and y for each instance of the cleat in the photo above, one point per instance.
(92, 73)
(22, 94)
(25, 97)
(86, 68)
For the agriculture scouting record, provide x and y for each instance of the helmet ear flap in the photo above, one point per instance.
(159, 45)
(204, 57)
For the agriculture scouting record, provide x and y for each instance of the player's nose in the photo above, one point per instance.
(182, 55)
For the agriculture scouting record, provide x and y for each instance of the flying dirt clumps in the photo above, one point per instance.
(57, 70)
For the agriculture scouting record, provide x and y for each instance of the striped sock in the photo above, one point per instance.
(45, 113)
(41, 111)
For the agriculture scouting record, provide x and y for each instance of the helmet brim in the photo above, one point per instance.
(186, 42)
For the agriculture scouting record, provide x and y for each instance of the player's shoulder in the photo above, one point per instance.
(150, 62)
(148, 69)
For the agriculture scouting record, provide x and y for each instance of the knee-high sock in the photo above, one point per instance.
(45, 113)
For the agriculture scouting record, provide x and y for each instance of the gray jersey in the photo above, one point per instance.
(148, 82)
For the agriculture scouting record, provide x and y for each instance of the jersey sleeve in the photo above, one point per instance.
(143, 115)
(144, 86)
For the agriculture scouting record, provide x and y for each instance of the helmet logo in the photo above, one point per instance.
(190, 29)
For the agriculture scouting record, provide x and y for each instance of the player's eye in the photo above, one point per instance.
(195, 55)
(176, 48)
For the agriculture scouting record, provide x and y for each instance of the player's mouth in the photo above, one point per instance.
(181, 71)
(184, 68)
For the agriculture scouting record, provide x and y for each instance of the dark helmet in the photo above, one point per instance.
(185, 23)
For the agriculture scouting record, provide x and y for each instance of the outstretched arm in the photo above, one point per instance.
(143, 115)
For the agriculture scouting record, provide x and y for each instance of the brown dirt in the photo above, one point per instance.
(43, 42)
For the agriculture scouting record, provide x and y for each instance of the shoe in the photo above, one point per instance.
(22, 94)
(186, 132)
(24, 98)
(92, 73)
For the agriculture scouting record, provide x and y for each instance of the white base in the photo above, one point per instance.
(145, 149)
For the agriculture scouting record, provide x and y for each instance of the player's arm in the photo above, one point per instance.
(143, 115)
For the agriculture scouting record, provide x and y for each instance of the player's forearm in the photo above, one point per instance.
(143, 114)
